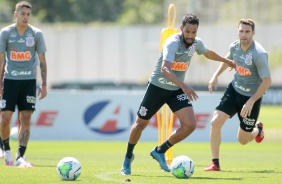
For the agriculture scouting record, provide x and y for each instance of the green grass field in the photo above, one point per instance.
(101, 161)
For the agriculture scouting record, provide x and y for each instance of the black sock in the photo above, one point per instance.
(163, 147)
(21, 151)
(216, 161)
(129, 150)
(1, 144)
(6, 145)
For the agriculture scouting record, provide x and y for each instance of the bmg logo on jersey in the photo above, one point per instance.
(108, 117)
(20, 56)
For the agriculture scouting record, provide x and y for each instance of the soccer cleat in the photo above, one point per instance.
(126, 166)
(260, 136)
(19, 161)
(25, 165)
(8, 158)
(212, 167)
(160, 157)
(22, 163)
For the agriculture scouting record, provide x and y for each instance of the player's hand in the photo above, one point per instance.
(247, 109)
(42, 92)
(191, 94)
(232, 65)
(213, 84)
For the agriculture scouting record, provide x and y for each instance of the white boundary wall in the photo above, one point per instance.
(108, 116)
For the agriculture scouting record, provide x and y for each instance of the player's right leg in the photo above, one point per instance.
(217, 122)
(226, 109)
(135, 134)
(5, 134)
(148, 107)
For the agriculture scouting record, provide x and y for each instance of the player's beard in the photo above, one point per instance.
(184, 40)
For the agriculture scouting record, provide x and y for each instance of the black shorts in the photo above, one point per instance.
(21, 93)
(232, 102)
(155, 97)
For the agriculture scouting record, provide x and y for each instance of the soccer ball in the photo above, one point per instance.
(69, 169)
(182, 167)
(14, 133)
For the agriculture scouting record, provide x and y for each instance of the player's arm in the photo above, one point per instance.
(43, 69)
(168, 73)
(247, 108)
(213, 83)
(2, 68)
(214, 56)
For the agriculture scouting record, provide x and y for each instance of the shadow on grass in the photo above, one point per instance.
(197, 178)
(161, 176)
(45, 166)
(246, 171)
(213, 178)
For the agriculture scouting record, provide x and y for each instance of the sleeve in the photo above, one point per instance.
(40, 42)
(230, 53)
(200, 47)
(262, 65)
(169, 49)
(3, 40)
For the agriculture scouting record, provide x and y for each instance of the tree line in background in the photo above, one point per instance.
(88, 11)
(133, 12)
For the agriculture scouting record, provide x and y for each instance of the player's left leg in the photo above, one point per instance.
(249, 127)
(187, 121)
(24, 134)
(246, 137)
(187, 126)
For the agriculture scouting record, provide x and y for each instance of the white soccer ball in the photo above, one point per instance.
(69, 168)
(14, 133)
(182, 167)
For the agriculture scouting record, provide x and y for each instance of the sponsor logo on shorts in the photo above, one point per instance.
(143, 111)
(248, 121)
(2, 103)
(182, 97)
(30, 99)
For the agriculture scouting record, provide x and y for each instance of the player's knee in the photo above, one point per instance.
(5, 122)
(189, 127)
(215, 124)
(140, 124)
(243, 141)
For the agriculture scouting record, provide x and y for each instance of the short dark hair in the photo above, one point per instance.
(22, 4)
(190, 19)
(249, 22)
